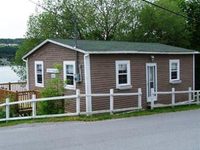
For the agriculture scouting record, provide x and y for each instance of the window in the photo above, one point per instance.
(122, 73)
(39, 74)
(69, 73)
(174, 70)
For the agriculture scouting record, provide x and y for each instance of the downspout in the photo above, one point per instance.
(27, 73)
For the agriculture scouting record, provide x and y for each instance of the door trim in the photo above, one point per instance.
(147, 65)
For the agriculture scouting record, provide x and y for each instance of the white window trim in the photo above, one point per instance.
(71, 87)
(128, 85)
(170, 69)
(36, 83)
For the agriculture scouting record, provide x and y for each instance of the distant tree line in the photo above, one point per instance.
(11, 41)
(8, 51)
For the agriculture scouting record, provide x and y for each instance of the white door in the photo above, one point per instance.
(151, 80)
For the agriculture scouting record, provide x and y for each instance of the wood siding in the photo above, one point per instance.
(52, 54)
(103, 77)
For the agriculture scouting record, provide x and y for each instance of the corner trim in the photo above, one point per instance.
(88, 90)
(27, 75)
(194, 72)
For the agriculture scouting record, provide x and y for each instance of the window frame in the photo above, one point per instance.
(67, 86)
(170, 70)
(36, 79)
(117, 63)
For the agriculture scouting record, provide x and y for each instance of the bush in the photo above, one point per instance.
(54, 87)
(13, 108)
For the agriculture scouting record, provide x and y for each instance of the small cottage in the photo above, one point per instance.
(98, 66)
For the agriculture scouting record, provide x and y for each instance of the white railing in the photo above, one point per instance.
(193, 98)
(14, 86)
(77, 98)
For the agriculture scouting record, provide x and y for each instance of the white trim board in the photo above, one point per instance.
(194, 72)
(88, 89)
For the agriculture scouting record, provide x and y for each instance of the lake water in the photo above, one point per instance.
(7, 75)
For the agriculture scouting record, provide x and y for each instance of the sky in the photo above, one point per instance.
(14, 15)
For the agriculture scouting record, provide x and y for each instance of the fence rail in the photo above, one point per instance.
(77, 99)
(14, 86)
(193, 98)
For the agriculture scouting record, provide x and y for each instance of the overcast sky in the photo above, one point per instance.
(14, 15)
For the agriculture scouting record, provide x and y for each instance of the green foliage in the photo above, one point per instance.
(157, 25)
(192, 9)
(13, 108)
(7, 51)
(54, 87)
(24, 48)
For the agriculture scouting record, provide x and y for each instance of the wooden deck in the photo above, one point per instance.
(17, 92)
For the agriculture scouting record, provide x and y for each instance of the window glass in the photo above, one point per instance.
(174, 70)
(123, 73)
(69, 72)
(39, 73)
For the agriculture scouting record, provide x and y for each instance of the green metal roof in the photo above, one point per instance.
(116, 46)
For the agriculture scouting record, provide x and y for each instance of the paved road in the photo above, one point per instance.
(172, 131)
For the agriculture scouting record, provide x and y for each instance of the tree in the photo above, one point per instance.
(192, 10)
(157, 25)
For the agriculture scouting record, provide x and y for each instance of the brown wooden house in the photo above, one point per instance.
(97, 66)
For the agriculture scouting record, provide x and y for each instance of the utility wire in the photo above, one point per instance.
(170, 11)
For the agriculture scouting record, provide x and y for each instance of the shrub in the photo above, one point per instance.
(54, 87)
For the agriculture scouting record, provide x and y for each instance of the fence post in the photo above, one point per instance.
(139, 98)
(78, 99)
(7, 109)
(88, 104)
(190, 95)
(152, 98)
(173, 97)
(198, 102)
(111, 101)
(33, 105)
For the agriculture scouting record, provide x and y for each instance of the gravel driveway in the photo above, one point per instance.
(172, 131)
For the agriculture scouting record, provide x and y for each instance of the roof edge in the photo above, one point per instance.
(54, 42)
(137, 52)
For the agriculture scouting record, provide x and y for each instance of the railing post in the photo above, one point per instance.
(7, 109)
(9, 86)
(111, 101)
(33, 105)
(152, 98)
(139, 98)
(78, 99)
(173, 97)
(190, 95)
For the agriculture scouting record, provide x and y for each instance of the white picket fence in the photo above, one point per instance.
(77, 98)
(193, 98)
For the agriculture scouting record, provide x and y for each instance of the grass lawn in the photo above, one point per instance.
(103, 116)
